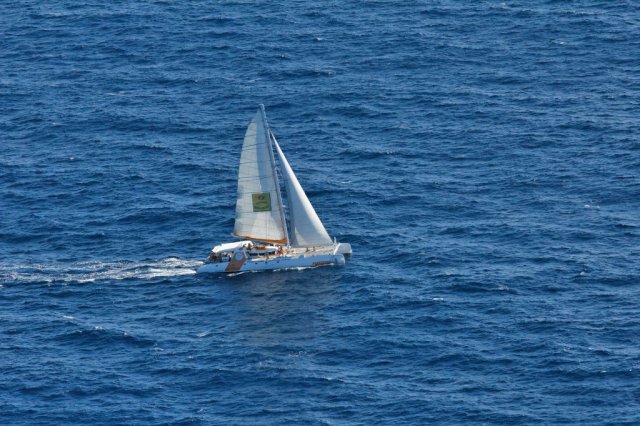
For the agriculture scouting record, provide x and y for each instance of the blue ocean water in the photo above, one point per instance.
(482, 158)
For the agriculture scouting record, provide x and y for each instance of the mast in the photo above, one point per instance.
(275, 173)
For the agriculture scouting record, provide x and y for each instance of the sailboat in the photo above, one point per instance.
(271, 239)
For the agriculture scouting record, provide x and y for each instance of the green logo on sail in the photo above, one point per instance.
(261, 202)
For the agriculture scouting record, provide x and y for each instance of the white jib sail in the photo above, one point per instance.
(306, 228)
(258, 208)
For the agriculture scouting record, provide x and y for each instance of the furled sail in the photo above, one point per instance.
(259, 214)
(306, 228)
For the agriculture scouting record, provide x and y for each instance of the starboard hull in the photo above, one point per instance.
(280, 262)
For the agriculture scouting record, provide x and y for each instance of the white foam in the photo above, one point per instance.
(84, 272)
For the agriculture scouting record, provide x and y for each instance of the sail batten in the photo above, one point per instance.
(306, 228)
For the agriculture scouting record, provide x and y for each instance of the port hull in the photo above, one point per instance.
(241, 264)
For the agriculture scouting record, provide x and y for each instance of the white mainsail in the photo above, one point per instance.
(306, 228)
(259, 213)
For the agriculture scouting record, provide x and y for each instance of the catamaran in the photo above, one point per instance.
(270, 238)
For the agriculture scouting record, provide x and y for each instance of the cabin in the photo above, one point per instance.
(224, 252)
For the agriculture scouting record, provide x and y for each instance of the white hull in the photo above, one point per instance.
(271, 263)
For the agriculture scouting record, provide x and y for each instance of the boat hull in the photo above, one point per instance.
(280, 262)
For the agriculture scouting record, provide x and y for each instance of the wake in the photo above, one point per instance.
(83, 272)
